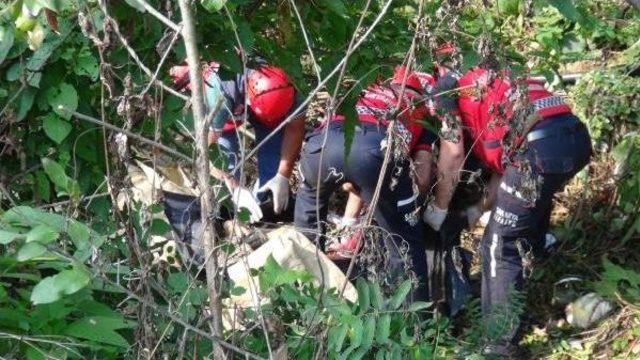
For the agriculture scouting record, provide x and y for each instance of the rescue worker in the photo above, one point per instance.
(450, 154)
(396, 207)
(533, 145)
(270, 99)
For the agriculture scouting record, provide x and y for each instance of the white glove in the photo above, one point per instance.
(279, 187)
(243, 198)
(434, 216)
(473, 214)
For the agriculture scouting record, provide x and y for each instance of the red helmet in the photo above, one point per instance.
(417, 81)
(270, 94)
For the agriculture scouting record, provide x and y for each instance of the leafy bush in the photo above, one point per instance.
(377, 326)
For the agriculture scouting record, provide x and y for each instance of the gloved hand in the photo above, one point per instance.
(279, 187)
(434, 216)
(243, 198)
(473, 214)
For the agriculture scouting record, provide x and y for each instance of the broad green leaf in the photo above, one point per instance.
(30, 250)
(419, 306)
(3, 93)
(213, 5)
(7, 237)
(70, 281)
(100, 329)
(56, 128)
(52, 288)
(336, 337)
(136, 5)
(383, 329)
(39, 58)
(369, 333)
(336, 6)
(78, 232)
(26, 216)
(177, 282)
(567, 8)
(44, 186)
(26, 102)
(356, 332)
(55, 5)
(56, 173)
(81, 235)
(42, 234)
(6, 41)
(87, 65)
(14, 71)
(400, 294)
(363, 296)
(376, 296)
(245, 34)
(63, 99)
(159, 227)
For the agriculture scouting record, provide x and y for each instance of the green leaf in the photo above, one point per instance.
(56, 173)
(369, 333)
(100, 329)
(43, 184)
(567, 8)
(7, 237)
(52, 288)
(87, 65)
(383, 329)
(356, 332)
(177, 282)
(159, 227)
(56, 128)
(26, 102)
(29, 251)
(136, 5)
(213, 5)
(376, 295)
(42, 234)
(419, 306)
(6, 41)
(400, 295)
(363, 296)
(336, 337)
(336, 6)
(237, 291)
(54, 5)
(63, 99)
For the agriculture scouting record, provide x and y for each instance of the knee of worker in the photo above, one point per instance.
(504, 258)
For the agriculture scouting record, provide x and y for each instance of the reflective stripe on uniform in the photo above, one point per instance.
(548, 102)
(408, 200)
(492, 250)
(512, 191)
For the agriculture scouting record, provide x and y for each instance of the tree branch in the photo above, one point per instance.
(202, 171)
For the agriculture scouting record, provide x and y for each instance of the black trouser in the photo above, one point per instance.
(449, 264)
(520, 217)
(362, 167)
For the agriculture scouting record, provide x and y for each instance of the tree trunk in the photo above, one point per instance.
(202, 169)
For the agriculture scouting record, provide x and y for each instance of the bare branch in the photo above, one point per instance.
(137, 60)
(175, 27)
(138, 137)
(202, 170)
